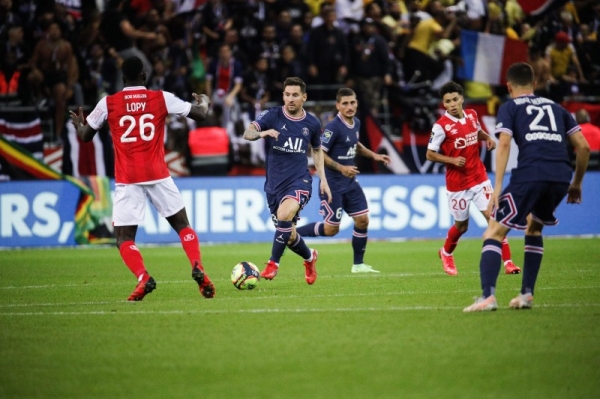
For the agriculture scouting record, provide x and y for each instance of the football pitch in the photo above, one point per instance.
(67, 330)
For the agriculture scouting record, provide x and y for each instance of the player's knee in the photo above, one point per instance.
(361, 222)
(331, 230)
(462, 226)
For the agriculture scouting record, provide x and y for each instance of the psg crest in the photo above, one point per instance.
(305, 131)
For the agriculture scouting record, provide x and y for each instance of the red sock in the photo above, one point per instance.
(133, 258)
(505, 250)
(191, 245)
(452, 239)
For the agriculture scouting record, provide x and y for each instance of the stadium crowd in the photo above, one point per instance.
(62, 53)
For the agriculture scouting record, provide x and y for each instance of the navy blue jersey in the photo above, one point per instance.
(339, 140)
(286, 157)
(540, 128)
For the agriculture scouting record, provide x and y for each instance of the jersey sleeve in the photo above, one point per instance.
(264, 119)
(315, 134)
(437, 138)
(98, 116)
(175, 105)
(504, 122)
(571, 125)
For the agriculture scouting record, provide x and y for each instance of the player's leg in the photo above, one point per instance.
(355, 205)
(129, 207)
(167, 200)
(542, 214)
(332, 214)
(481, 198)
(458, 202)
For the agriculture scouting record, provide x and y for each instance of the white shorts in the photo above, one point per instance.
(129, 204)
(460, 201)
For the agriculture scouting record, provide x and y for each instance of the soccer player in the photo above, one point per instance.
(288, 131)
(455, 142)
(542, 129)
(339, 142)
(136, 118)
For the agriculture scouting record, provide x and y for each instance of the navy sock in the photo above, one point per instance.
(489, 266)
(359, 244)
(534, 251)
(311, 230)
(280, 239)
(299, 247)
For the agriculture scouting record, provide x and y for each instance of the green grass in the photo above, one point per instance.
(66, 330)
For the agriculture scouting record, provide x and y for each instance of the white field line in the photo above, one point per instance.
(321, 277)
(275, 310)
(270, 297)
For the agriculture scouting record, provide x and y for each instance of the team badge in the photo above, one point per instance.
(448, 127)
(305, 131)
(326, 136)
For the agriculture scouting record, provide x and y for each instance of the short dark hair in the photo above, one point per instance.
(132, 68)
(451, 87)
(294, 81)
(520, 74)
(344, 92)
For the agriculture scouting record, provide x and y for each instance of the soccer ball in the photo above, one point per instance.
(245, 276)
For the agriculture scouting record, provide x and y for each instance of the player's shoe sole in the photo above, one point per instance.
(362, 268)
(144, 287)
(207, 288)
(483, 305)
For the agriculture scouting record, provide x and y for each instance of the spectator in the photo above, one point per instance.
(370, 65)
(232, 38)
(562, 56)
(268, 47)
(327, 51)
(216, 20)
(120, 34)
(541, 70)
(349, 14)
(289, 65)
(283, 26)
(102, 68)
(55, 69)
(590, 131)
(297, 40)
(223, 83)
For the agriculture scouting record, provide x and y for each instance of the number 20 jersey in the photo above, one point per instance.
(136, 119)
(540, 128)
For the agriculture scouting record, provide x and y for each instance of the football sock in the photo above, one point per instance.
(133, 258)
(534, 251)
(489, 266)
(280, 239)
(452, 239)
(359, 244)
(505, 250)
(299, 247)
(311, 230)
(190, 244)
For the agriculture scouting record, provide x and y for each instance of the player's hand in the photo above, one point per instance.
(493, 202)
(490, 143)
(324, 186)
(200, 98)
(574, 195)
(385, 159)
(460, 161)
(77, 118)
(271, 133)
(349, 170)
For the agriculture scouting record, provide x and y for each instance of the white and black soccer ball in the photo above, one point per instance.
(245, 276)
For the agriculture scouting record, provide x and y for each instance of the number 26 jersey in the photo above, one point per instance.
(136, 119)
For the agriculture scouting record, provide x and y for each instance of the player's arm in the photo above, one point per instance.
(252, 134)
(489, 141)
(435, 156)
(502, 153)
(346, 170)
(582, 158)
(84, 131)
(199, 110)
(319, 159)
(365, 152)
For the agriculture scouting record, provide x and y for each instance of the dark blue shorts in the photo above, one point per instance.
(301, 194)
(353, 202)
(538, 198)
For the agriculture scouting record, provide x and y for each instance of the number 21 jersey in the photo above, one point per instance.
(136, 119)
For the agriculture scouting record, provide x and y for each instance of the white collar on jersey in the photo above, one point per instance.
(454, 119)
(134, 88)
(344, 121)
(292, 118)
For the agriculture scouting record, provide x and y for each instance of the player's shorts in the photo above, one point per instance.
(353, 202)
(300, 193)
(538, 198)
(460, 201)
(129, 204)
